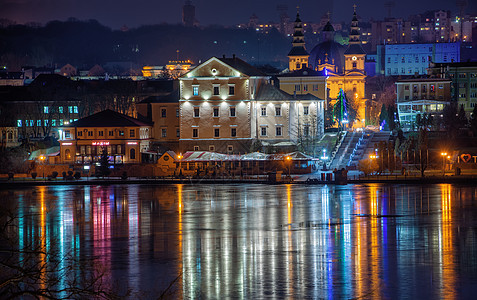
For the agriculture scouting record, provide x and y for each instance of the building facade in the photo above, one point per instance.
(226, 105)
(464, 82)
(123, 137)
(412, 59)
(421, 96)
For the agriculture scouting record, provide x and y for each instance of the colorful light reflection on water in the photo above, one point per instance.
(257, 241)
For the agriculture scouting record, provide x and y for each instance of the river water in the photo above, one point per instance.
(253, 241)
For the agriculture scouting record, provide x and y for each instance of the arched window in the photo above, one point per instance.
(132, 154)
(354, 65)
(68, 154)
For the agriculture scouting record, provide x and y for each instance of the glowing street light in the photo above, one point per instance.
(444, 155)
(288, 158)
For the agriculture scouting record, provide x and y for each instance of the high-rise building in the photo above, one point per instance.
(188, 14)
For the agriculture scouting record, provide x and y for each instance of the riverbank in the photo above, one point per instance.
(304, 179)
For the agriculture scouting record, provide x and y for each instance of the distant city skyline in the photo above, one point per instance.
(115, 14)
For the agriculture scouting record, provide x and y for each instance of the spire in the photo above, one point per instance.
(298, 36)
(298, 56)
(354, 30)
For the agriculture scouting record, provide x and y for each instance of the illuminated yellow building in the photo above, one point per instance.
(343, 67)
(174, 69)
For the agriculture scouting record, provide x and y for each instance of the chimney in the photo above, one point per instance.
(223, 56)
(233, 56)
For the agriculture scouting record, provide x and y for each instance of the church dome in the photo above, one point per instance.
(328, 52)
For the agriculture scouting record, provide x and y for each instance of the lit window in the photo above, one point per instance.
(70, 109)
(60, 109)
(195, 90)
(38, 123)
(53, 122)
(19, 123)
(75, 109)
(45, 109)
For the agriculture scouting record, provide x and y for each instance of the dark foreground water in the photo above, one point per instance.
(256, 241)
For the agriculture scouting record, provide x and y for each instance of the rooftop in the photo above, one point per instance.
(108, 118)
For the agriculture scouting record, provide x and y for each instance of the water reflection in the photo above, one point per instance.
(254, 241)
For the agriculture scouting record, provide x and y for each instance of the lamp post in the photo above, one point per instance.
(444, 155)
(180, 164)
(324, 157)
(288, 158)
(42, 161)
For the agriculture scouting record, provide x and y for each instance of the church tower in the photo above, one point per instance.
(354, 54)
(298, 56)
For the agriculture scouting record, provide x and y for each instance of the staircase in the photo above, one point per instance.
(366, 146)
(346, 149)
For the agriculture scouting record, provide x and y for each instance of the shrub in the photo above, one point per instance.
(34, 175)
(77, 175)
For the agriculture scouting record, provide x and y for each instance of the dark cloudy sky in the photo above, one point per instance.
(115, 13)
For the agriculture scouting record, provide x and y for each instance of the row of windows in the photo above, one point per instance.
(298, 87)
(415, 88)
(195, 90)
(403, 60)
(90, 133)
(232, 111)
(164, 132)
(191, 166)
(233, 132)
(216, 112)
(164, 113)
(61, 109)
(39, 123)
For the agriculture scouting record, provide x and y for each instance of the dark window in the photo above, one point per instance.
(232, 111)
(216, 111)
(163, 113)
(216, 132)
(216, 90)
(233, 132)
(196, 112)
(195, 132)
(131, 133)
(231, 90)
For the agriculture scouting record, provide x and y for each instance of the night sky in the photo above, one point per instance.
(133, 13)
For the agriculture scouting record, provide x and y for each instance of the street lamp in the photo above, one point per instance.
(42, 160)
(288, 158)
(179, 157)
(444, 154)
